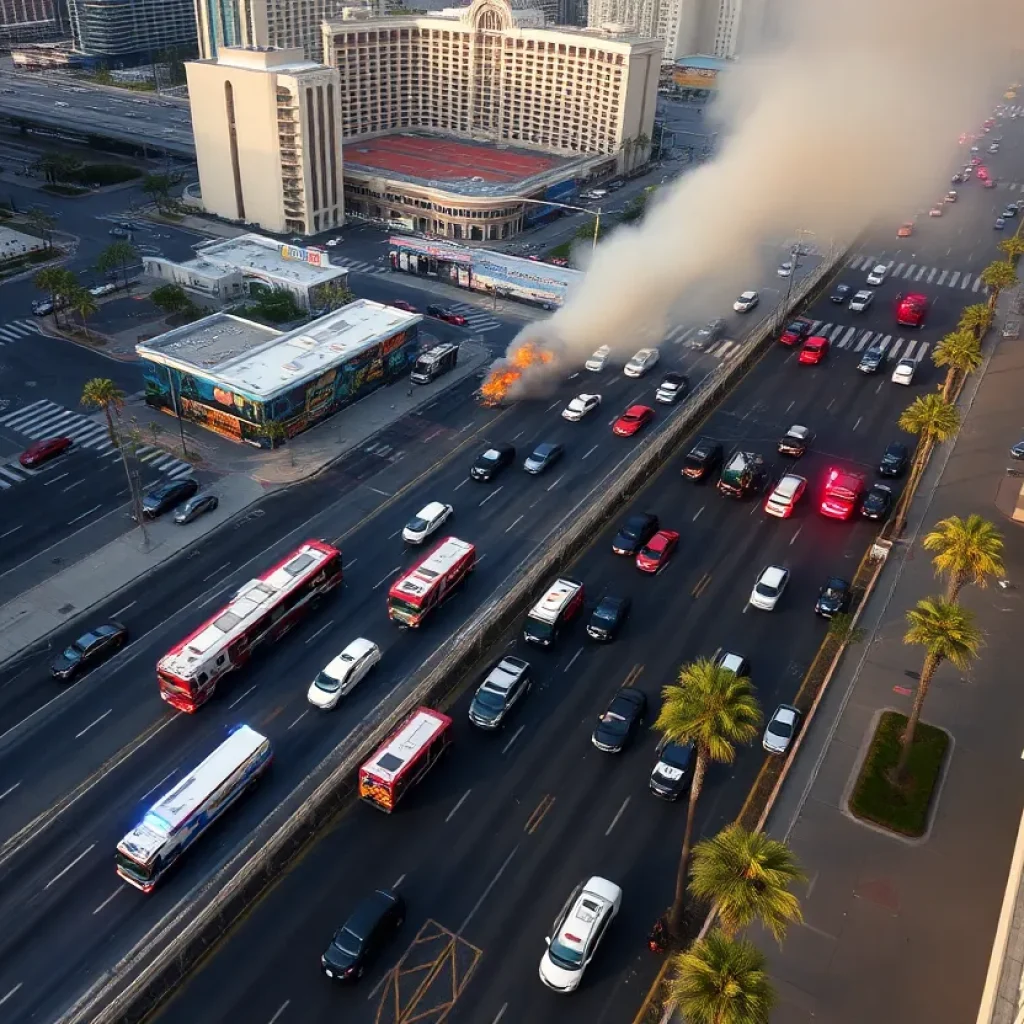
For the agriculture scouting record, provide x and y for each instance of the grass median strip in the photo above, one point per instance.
(903, 807)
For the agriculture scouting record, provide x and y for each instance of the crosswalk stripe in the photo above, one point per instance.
(954, 279)
(10, 474)
(920, 273)
(910, 270)
(814, 326)
(965, 281)
(855, 263)
(890, 264)
(851, 333)
(865, 337)
(977, 284)
(32, 414)
(883, 345)
(922, 351)
(896, 346)
(942, 277)
(44, 424)
(931, 276)
(11, 416)
(909, 354)
(185, 470)
(897, 271)
(836, 331)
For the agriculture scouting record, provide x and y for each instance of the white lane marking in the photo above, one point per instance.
(213, 597)
(9, 532)
(79, 735)
(9, 994)
(319, 631)
(519, 435)
(9, 790)
(395, 534)
(299, 719)
(71, 487)
(618, 814)
(217, 571)
(463, 484)
(497, 490)
(515, 736)
(792, 540)
(116, 892)
(58, 877)
(487, 892)
(284, 1006)
(455, 809)
(121, 611)
(554, 405)
(398, 881)
(153, 789)
(572, 660)
(592, 450)
(696, 514)
(857, 424)
(348, 565)
(513, 526)
(47, 483)
(381, 583)
(501, 1013)
(791, 404)
(72, 522)
(242, 696)
(551, 487)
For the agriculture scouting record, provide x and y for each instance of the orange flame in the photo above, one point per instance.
(506, 373)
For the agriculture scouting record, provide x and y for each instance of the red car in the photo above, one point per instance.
(402, 304)
(635, 417)
(796, 331)
(449, 316)
(814, 350)
(911, 310)
(42, 451)
(654, 556)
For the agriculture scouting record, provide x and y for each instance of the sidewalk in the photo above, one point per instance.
(247, 474)
(901, 930)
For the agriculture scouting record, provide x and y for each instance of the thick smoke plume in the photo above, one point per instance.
(853, 119)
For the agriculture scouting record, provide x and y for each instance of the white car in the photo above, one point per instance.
(342, 675)
(580, 406)
(734, 663)
(332, 242)
(746, 302)
(861, 301)
(646, 359)
(427, 521)
(785, 269)
(784, 497)
(878, 274)
(769, 587)
(599, 360)
(577, 932)
(903, 372)
(781, 729)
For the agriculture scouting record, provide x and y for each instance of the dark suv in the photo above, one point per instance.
(501, 689)
(833, 598)
(163, 498)
(491, 462)
(634, 533)
(704, 458)
(359, 941)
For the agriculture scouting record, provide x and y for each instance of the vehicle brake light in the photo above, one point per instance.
(573, 938)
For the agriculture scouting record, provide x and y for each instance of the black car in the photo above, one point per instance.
(872, 360)
(710, 332)
(543, 457)
(608, 617)
(833, 598)
(89, 650)
(796, 441)
(620, 723)
(1017, 451)
(841, 293)
(634, 533)
(673, 773)
(894, 460)
(877, 502)
(491, 462)
(359, 941)
(704, 458)
(166, 496)
(500, 691)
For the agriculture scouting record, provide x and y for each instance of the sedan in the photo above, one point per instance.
(878, 274)
(617, 726)
(877, 502)
(782, 728)
(796, 441)
(673, 387)
(165, 497)
(833, 598)
(935, 211)
(89, 650)
(580, 406)
(894, 460)
(746, 302)
(42, 451)
(1010, 211)
(798, 330)
(710, 332)
(840, 293)
(632, 420)
(860, 302)
(785, 269)
(449, 316)
(596, 363)
(195, 507)
(362, 938)
(813, 351)
(543, 457)
(634, 533)
(905, 230)
(1017, 451)
(644, 360)
(426, 522)
(1000, 223)
(903, 372)
(655, 555)
(343, 674)
(703, 459)
(769, 587)
(673, 772)
(608, 617)
(872, 360)
(402, 304)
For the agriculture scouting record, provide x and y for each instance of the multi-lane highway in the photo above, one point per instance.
(486, 852)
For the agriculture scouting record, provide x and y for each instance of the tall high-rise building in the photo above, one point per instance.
(130, 31)
(267, 127)
(26, 21)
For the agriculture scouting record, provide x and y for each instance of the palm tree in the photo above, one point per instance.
(275, 432)
(933, 420)
(947, 633)
(335, 294)
(119, 254)
(38, 219)
(714, 709)
(997, 277)
(722, 981)
(960, 352)
(50, 280)
(747, 876)
(967, 551)
(976, 318)
(84, 305)
(1013, 247)
(626, 146)
(642, 143)
(102, 393)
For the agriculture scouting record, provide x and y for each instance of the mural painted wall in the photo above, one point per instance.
(241, 416)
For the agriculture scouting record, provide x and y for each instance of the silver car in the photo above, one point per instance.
(782, 728)
(195, 507)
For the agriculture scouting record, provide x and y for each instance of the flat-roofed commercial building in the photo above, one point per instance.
(267, 128)
(235, 376)
(229, 268)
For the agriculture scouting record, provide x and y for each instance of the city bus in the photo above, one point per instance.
(404, 758)
(182, 814)
(423, 587)
(264, 609)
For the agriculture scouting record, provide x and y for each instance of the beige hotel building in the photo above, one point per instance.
(484, 75)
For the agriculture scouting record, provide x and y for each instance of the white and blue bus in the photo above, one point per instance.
(183, 814)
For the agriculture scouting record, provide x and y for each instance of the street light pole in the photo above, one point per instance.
(596, 214)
